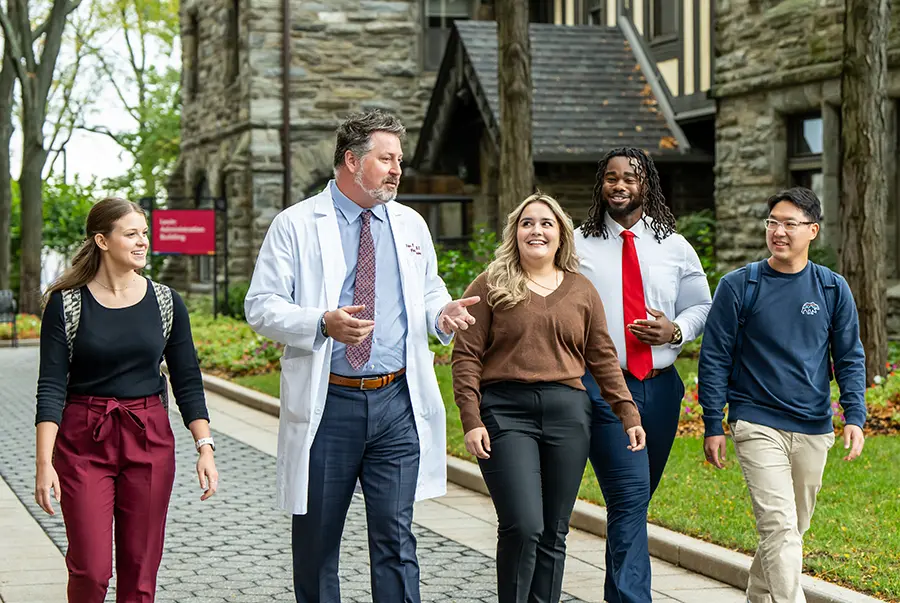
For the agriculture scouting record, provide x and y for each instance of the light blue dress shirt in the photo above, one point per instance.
(389, 344)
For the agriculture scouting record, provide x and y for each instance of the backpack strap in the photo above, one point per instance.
(166, 311)
(72, 315)
(751, 292)
(829, 285)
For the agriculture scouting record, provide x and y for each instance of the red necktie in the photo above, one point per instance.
(638, 354)
(364, 290)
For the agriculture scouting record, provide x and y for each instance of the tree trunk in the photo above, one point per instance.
(7, 81)
(30, 183)
(864, 183)
(514, 64)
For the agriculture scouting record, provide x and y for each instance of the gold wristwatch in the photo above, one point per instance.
(676, 335)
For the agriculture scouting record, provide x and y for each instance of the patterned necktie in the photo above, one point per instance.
(364, 290)
(638, 354)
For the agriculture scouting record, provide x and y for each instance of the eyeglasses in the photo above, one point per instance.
(789, 226)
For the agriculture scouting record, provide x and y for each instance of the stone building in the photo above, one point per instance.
(777, 90)
(245, 142)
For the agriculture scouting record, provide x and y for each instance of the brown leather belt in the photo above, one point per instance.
(653, 372)
(365, 382)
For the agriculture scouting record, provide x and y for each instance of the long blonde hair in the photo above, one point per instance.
(101, 220)
(506, 280)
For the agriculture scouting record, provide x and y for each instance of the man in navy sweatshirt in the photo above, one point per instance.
(773, 332)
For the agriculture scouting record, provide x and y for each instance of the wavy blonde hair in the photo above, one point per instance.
(506, 280)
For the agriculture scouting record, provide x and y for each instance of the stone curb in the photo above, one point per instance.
(23, 343)
(710, 560)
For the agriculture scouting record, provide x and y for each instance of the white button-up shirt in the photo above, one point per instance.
(674, 282)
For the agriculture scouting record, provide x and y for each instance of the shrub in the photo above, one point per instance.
(229, 347)
(459, 268)
(28, 326)
(231, 302)
(699, 229)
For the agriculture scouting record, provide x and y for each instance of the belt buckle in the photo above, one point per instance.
(362, 384)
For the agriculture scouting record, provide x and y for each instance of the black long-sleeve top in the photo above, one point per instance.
(117, 354)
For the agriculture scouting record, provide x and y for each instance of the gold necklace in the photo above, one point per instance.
(113, 289)
(556, 277)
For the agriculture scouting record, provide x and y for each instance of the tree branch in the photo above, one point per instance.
(13, 46)
(42, 28)
(105, 67)
(52, 43)
(131, 56)
(105, 132)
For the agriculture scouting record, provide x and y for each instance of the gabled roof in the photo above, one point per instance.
(590, 94)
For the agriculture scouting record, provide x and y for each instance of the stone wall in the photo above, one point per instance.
(770, 43)
(347, 56)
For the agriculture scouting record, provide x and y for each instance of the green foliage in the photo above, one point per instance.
(823, 254)
(155, 143)
(699, 229)
(459, 268)
(66, 206)
(28, 326)
(229, 347)
(231, 303)
(149, 90)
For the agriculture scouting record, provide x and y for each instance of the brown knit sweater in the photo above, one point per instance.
(540, 340)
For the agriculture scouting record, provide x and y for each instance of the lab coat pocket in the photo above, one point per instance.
(296, 397)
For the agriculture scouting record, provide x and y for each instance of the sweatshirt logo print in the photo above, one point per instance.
(810, 309)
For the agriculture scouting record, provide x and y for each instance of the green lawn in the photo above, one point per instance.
(855, 536)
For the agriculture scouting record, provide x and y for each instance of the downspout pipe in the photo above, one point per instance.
(286, 102)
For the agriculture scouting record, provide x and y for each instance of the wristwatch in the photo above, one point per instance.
(322, 326)
(203, 442)
(676, 335)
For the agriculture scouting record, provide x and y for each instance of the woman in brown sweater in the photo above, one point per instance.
(517, 381)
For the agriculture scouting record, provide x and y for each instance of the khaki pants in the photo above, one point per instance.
(783, 471)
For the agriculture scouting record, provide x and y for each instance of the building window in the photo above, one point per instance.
(805, 141)
(664, 19)
(540, 11)
(439, 18)
(232, 43)
(592, 11)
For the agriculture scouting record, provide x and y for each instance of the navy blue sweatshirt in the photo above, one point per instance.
(783, 380)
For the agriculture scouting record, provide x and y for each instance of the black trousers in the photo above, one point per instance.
(540, 439)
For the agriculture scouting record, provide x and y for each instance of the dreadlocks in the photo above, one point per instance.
(663, 222)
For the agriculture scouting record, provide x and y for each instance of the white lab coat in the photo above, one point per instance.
(298, 276)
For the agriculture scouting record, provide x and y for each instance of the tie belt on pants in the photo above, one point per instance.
(105, 407)
(653, 372)
(365, 382)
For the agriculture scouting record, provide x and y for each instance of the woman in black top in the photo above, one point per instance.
(105, 447)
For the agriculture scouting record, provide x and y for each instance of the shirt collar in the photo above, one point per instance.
(350, 210)
(639, 229)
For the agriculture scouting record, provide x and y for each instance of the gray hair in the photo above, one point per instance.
(355, 133)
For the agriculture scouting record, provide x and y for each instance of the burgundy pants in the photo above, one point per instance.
(116, 461)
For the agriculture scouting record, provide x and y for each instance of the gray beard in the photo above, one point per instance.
(380, 194)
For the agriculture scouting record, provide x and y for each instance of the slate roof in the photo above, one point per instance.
(590, 94)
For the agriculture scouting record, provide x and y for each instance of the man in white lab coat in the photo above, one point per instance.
(359, 397)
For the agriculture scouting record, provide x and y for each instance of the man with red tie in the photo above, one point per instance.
(656, 298)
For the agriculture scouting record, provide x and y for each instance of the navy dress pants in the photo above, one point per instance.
(370, 435)
(629, 479)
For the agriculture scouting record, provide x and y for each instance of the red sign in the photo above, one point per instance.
(184, 231)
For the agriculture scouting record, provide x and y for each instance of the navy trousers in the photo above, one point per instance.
(371, 436)
(629, 479)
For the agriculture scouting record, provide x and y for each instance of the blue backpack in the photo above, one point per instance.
(751, 292)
